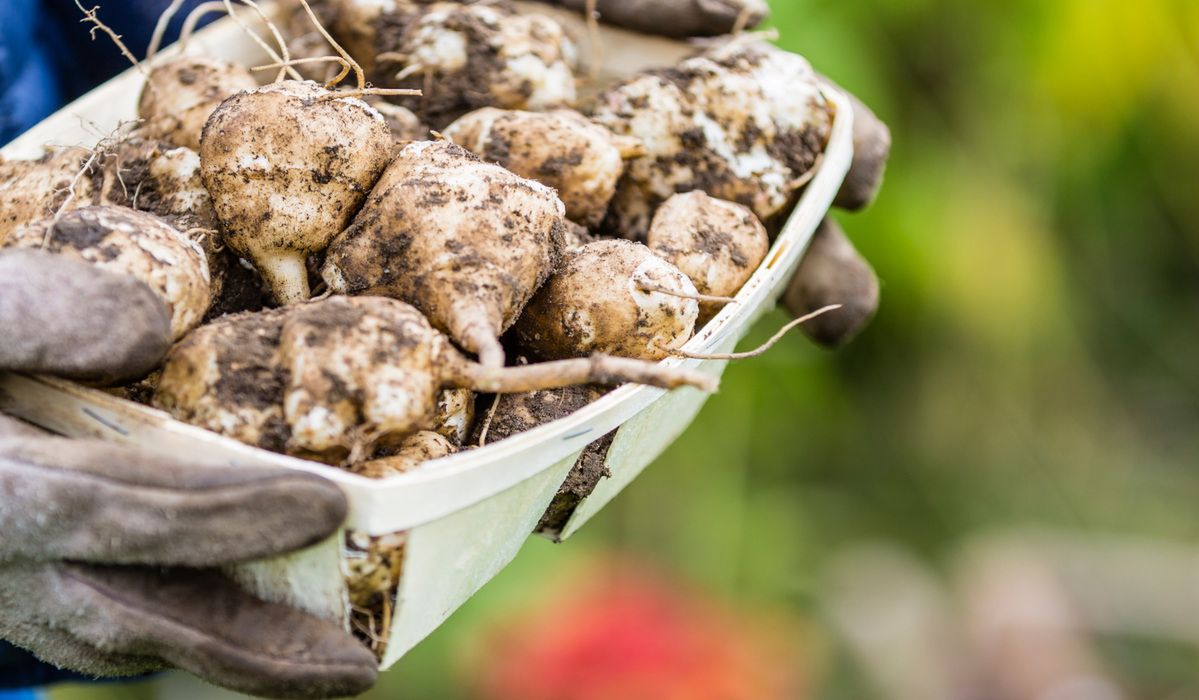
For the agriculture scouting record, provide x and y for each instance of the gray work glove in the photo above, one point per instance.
(833, 271)
(107, 551)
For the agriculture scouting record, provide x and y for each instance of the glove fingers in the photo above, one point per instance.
(833, 272)
(90, 501)
(29, 616)
(871, 148)
(68, 318)
(200, 622)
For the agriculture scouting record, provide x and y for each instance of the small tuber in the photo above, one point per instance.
(562, 149)
(745, 122)
(466, 242)
(135, 243)
(613, 297)
(182, 92)
(717, 244)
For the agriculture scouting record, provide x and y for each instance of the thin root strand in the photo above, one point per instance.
(359, 74)
(760, 350)
(495, 404)
(684, 295)
(91, 16)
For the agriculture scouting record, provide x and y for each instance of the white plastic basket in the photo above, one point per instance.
(467, 515)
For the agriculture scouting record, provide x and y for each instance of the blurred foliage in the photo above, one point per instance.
(1036, 358)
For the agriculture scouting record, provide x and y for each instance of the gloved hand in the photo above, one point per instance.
(832, 271)
(106, 551)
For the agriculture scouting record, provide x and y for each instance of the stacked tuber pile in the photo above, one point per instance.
(595, 236)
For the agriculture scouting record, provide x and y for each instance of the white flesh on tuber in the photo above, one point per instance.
(472, 56)
(602, 301)
(455, 414)
(287, 166)
(717, 244)
(414, 451)
(134, 243)
(333, 378)
(182, 92)
(562, 149)
(745, 122)
(35, 189)
(464, 241)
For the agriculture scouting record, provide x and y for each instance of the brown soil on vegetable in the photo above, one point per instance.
(253, 377)
(447, 96)
(518, 413)
(242, 289)
(586, 474)
(374, 567)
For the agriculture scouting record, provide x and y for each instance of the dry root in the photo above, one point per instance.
(764, 347)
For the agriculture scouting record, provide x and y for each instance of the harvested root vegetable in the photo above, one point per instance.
(333, 379)
(338, 379)
(833, 272)
(717, 244)
(287, 166)
(34, 189)
(226, 376)
(182, 92)
(518, 413)
(466, 242)
(562, 149)
(745, 122)
(604, 299)
(455, 415)
(155, 177)
(467, 56)
(415, 450)
(138, 244)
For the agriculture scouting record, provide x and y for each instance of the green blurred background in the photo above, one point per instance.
(1033, 365)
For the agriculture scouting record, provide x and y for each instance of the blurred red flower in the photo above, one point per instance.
(622, 632)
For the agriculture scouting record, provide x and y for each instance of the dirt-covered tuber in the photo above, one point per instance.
(717, 244)
(335, 378)
(466, 242)
(413, 451)
(34, 189)
(562, 149)
(135, 243)
(613, 297)
(287, 166)
(182, 92)
(745, 122)
(463, 56)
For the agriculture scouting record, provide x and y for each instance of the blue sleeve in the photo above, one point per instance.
(29, 88)
(19, 669)
(47, 56)
(83, 63)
